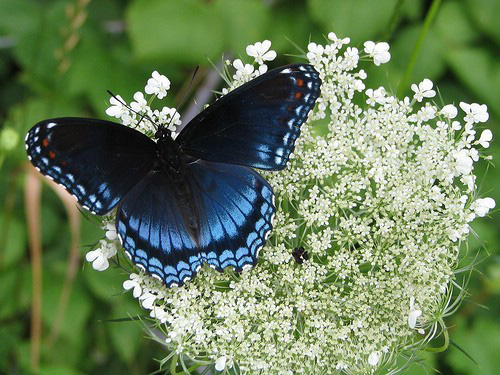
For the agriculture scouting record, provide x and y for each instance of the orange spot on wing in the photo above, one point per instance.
(298, 95)
(300, 82)
(52, 154)
(45, 142)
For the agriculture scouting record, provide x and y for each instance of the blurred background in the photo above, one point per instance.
(58, 58)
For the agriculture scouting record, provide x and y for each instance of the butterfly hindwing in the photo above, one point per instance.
(257, 124)
(234, 210)
(237, 212)
(151, 224)
(97, 161)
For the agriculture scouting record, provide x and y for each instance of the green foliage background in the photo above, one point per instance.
(58, 58)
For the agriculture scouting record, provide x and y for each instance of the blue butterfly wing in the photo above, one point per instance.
(234, 210)
(257, 124)
(97, 161)
(153, 229)
(236, 216)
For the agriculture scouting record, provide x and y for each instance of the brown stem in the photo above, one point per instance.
(32, 195)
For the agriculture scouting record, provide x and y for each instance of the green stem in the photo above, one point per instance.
(443, 347)
(418, 46)
(173, 364)
(396, 15)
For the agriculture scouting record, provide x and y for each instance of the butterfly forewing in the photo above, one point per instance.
(97, 161)
(257, 124)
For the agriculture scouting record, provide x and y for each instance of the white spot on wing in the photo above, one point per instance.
(51, 125)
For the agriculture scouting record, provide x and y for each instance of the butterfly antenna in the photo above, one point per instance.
(183, 99)
(142, 115)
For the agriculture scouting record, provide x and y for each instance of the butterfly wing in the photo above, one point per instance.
(237, 212)
(257, 124)
(234, 209)
(97, 161)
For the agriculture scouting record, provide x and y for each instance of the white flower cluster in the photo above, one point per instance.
(377, 198)
(107, 247)
(261, 52)
(139, 114)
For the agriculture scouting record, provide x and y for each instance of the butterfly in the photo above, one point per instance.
(193, 200)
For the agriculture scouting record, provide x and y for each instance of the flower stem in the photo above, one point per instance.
(403, 84)
(173, 364)
(443, 347)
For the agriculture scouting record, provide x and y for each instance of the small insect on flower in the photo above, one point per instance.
(300, 255)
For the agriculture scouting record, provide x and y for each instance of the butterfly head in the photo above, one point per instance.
(163, 133)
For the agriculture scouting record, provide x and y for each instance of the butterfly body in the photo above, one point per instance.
(193, 200)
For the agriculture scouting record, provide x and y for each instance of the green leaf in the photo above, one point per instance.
(453, 26)
(485, 14)
(126, 337)
(35, 48)
(289, 26)
(78, 309)
(421, 365)
(478, 69)
(481, 342)
(14, 241)
(244, 22)
(9, 292)
(184, 32)
(103, 284)
(430, 62)
(19, 17)
(360, 20)
(58, 370)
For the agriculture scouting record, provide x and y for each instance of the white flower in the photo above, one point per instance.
(147, 300)
(388, 170)
(262, 69)
(423, 90)
(378, 51)
(485, 138)
(449, 111)
(118, 108)
(414, 314)
(159, 313)
(260, 51)
(140, 105)
(377, 96)
(158, 85)
(333, 37)
(483, 205)
(111, 232)
(169, 116)
(99, 257)
(134, 283)
(475, 112)
(373, 358)
(243, 71)
(315, 52)
(455, 125)
(463, 162)
(220, 364)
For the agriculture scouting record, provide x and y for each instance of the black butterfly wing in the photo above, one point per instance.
(97, 161)
(233, 214)
(257, 124)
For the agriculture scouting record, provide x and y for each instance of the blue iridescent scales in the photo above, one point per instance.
(180, 204)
